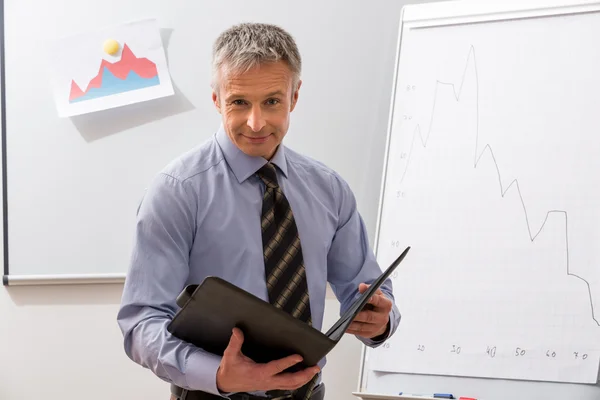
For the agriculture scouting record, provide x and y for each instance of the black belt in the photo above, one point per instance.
(317, 394)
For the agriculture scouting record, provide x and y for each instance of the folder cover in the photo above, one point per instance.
(209, 312)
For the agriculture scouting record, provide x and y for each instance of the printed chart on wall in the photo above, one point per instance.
(492, 179)
(108, 68)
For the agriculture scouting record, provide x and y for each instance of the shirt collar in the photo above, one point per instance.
(243, 165)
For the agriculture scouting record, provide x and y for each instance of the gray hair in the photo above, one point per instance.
(245, 46)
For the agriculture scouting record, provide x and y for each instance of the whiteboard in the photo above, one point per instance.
(74, 184)
(491, 178)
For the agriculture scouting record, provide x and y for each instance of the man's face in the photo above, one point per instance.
(256, 107)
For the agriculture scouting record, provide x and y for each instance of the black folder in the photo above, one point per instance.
(209, 312)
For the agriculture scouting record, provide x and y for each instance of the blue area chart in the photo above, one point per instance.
(113, 85)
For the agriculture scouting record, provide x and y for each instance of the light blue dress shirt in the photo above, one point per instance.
(201, 216)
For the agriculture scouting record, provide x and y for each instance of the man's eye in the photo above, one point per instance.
(238, 102)
(272, 102)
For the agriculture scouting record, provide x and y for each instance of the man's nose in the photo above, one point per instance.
(255, 120)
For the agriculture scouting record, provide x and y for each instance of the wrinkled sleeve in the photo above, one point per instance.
(158, 271)
(351, 260)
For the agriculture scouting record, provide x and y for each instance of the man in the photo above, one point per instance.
(244, 207)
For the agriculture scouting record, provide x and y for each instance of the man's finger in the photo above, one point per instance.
(277, 366)
(371, 317)
(358, 333)
(364, 316)
(364, 286)
(362, 329)
(381, 301)
(358, 327)
(364, 333)
(292, 381)
(235, 342)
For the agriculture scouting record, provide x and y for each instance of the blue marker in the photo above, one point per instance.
(429, 396)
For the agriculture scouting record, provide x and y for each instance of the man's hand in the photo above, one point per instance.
(238, 373)
(373, 320)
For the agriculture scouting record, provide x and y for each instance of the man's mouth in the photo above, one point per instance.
(256, 139)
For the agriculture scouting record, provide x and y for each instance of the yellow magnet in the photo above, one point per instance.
(111, 46)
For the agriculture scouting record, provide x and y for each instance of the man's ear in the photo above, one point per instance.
(215, 99)
(295, 97)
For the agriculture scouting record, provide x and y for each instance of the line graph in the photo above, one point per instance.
(487, 149)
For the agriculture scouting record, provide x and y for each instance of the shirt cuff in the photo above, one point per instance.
(383, 337)
(391, 328)
(201, 372)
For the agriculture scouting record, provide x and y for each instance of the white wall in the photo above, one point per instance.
(63, 342)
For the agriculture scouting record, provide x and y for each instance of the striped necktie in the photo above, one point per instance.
(284, 266)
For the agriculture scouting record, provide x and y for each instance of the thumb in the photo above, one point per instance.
(235, 342)
(363, 287)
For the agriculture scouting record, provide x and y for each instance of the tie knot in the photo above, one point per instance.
(268, 175)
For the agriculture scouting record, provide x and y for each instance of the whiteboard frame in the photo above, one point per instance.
(3, 144)
(83, 279)
(66, 279)
(459, 12)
